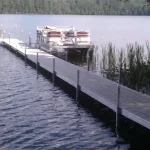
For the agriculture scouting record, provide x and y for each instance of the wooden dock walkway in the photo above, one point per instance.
(133, 105)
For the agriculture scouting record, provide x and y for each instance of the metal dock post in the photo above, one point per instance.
(29, 38)
(88, 59)
(117, 111)
(53, 70)
(66, 55)
(25, 57)
(118, 98)
(78, 87)
(88, 63)
(37, 61)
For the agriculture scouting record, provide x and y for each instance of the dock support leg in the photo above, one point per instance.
(25, 57)
(118, 111)
(29, 39)
(78, 87)
(88, 63)
(37, 61)
(66, 55)
(53, 70)
(118, 98)
(88, 60)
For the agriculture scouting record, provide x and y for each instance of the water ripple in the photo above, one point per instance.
(36, 115)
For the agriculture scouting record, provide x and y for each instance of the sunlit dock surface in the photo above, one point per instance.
(133, 105)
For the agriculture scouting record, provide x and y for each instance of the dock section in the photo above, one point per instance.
(133, 105)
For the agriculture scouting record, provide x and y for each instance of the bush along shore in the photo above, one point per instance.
(132, 63)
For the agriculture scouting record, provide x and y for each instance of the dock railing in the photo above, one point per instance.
(17, 32)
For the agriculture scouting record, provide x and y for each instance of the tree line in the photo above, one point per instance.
(82, 7)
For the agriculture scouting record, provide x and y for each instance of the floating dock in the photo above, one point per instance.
(133, 105)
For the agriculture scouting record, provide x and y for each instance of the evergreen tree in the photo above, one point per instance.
(83, 7)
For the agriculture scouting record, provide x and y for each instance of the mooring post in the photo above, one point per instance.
(88, 61)
(25, 56)
(9, 38)
(118, 98)
(53, 70)
(117, 111)
(77, 87)
(37, 61)
(29, 38)
(66, 55)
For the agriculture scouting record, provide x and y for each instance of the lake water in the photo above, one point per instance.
(35, 114)
(119, 30)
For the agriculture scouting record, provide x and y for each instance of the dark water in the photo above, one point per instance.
(35, 114)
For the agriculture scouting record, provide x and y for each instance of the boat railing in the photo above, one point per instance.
(63, 28)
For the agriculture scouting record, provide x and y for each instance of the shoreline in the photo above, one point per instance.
(71, 14)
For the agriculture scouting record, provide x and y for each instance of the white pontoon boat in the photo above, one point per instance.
(49, 37)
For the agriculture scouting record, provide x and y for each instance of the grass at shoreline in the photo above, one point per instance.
(133, 62)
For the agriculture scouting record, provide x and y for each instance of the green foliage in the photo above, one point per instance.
(133, 63)
(109, 61)
(83, 7)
